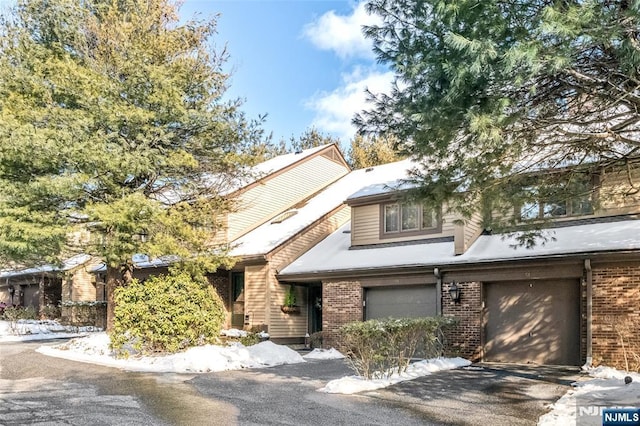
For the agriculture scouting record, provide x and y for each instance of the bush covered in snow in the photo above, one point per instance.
(166, 313)
(385, 347)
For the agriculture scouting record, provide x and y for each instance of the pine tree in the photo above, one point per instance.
(369, 151)
(111, 116)
(489, 91)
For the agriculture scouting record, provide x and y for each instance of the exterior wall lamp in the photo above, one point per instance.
(455, 292)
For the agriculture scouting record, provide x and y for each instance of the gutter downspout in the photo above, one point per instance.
(438, 275)
(589, 294)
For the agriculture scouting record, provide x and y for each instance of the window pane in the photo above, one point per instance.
(409, 217)
(391, 218)
(581, 206)
(429, 218)
(530, 210)
(556, 209)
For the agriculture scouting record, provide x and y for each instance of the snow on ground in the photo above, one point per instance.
(324, 354)
(354, 384)
(95, 349)
(23, 330)
(583, 404)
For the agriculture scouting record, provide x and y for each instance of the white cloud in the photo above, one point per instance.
(343, 34)
(335, 109)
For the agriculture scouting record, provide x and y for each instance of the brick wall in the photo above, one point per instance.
(465, 339)
(616, 315)
(341, 304)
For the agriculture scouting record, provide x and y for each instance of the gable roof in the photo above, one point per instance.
(333, 255)
(274, 233)
(246, 178)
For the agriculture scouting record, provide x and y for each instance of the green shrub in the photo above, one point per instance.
(15, 313)
(290, 297)
(250, 339)
(50, 312)
(380, 348)
(166, 313)
(315, 340)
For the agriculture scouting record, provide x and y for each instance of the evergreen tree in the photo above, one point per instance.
(487, 91)
(111, 115)
(369, 151)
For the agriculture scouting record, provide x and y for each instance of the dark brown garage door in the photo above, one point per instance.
(400, 301)
(533, 322)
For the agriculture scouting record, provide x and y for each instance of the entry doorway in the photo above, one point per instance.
(237, 300)
(315, 307)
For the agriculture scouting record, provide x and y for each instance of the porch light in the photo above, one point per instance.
(454, 292)
(11, 290)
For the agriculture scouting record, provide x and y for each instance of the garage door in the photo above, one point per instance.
(400, 301)
(533, 322)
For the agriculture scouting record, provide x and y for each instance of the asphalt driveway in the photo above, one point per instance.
(484, 394)
(38, 389)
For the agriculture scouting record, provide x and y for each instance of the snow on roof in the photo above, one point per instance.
(273, 233)
(395, 177)
(282, 161)
(333, 253)
(67, 264)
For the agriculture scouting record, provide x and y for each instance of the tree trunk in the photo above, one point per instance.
(116, 276)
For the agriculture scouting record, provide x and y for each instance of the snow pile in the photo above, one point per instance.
(233, 332)
(324, 354)
(354, 384)
(22, 330)
(583, 404)
(95, 349)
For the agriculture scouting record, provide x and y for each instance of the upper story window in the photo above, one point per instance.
(559, 204)
(401, 219)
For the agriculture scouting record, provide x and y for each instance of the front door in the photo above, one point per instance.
(315, 308)
(237, 300)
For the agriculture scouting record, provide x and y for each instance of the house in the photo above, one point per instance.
(565, 301)
(279, 213)
(257, 295)
(68, 286)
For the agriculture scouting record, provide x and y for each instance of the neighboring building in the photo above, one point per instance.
(563, 301)
(49, 286)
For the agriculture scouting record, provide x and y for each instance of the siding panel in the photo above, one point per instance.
(365, 227)
(283, 191)
(255, 293)
(286, 325)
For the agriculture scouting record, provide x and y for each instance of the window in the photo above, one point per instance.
(562, 202)
(409, 218)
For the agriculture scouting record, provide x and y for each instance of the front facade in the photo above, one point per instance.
(278, 216)
(565, 301)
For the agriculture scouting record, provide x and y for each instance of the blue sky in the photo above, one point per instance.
(303, 63)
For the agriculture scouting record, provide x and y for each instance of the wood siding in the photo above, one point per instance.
(281, 192)
(366, 227)
(619, 193)
(283, 325)
(467, 232)
(256, 294)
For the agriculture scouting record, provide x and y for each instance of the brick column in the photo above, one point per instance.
(341, 304)
(465, 339)
(616, 316)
